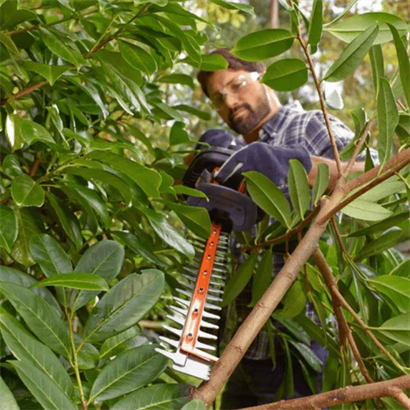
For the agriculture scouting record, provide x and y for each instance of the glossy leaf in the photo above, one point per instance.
(286, 74)
(315, 27)
(9, 43)
(383, 190)
(347, 30)
(195, 404)
(396, 288)
(178, 135)
(27, 192)
(11, 166)
(397, 328)
(368, 211)
(381, 226)
(383, 242)
(103, 259)
(263, 44)
(195, 218)
(168, 234)
(13, 131)
(182, 79)
(115, 345)
(33, 132)
(59, 47)
(306, 352)
(44, 389)
(40, 317)
(299, 190)
(25, 347)
(263, 277)
(403, 269)
(137, 57)
(231, 5)
(294, 301)
(82, 281)
(11, 16)
(321, 182)
(148, 179)
(404, 64)
(352, 56)
(127, 372)
(194, 111)
(388, 119)
(7, 398)
(268, 196)
(239, 279)
(213, 62)
(158, 396)
(50, 72)
(184, 190)
(8, 227)
(129, 300)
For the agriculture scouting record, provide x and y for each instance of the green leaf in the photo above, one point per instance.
(44, 389)
(178, 135)
(26, 192)
(315, 27)
(268, 197)
(184, 190)
(10, 16)
(263, 44)
(128, 339)
(396, 288)
(59, 47)
(381, 226)
(404, 64)
(103, 259)
(321, 182)
(13, 131)
(129, 300)
(368, 211)
(7, 398)
(397, 328)
(263, 277)
(168, 234)
(137, 57)
(68, 220)
(104, 176)
(403, 269)
(388, 119)
(195, 218)
(51, 257)
(213, 62)
(383, 242)
(352, 55)
(11, 166)
(347, 30)
(377, 62)
(294, 301)
(230, 5)
(239, 279)
(25, 347)
(299, 190)
(8, 227)
(40, 317)
(158, 396)
(33, 132)
(82, 281)
(50, 72)
(383, 190)
(182, 79)
(196, 404)
(127, 372)
(141, 247)
(148, 179)
(286, 74)
(403, 129)
(88, 357)
(9, 43)
(194, 111)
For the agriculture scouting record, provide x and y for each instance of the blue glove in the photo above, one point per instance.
(273, 162)
(220, 138)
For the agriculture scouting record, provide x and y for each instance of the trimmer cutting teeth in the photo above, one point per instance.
(229, 210)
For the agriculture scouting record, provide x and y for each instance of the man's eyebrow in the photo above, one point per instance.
(229, 82)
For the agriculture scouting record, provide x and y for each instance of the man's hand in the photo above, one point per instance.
(273, 162)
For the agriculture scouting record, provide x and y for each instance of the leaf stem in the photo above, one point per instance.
(75, 359)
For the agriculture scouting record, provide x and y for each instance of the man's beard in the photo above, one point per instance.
(244, 124)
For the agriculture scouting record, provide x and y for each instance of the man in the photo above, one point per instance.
(273, 134)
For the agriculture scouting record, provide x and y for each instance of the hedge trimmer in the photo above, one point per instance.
(195, 314)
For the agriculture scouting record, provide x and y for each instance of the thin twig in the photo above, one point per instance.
(338, 236)
(35, 165)
(24, 92)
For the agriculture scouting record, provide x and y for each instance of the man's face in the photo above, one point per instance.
(241, 101)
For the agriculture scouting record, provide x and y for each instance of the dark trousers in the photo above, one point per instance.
(254, 382)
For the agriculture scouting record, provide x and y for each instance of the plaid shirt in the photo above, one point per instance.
(292, 125)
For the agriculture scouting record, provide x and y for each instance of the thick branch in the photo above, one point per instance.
(391, 388)
(344, 330)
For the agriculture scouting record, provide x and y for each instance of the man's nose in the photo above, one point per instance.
(230, 100)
